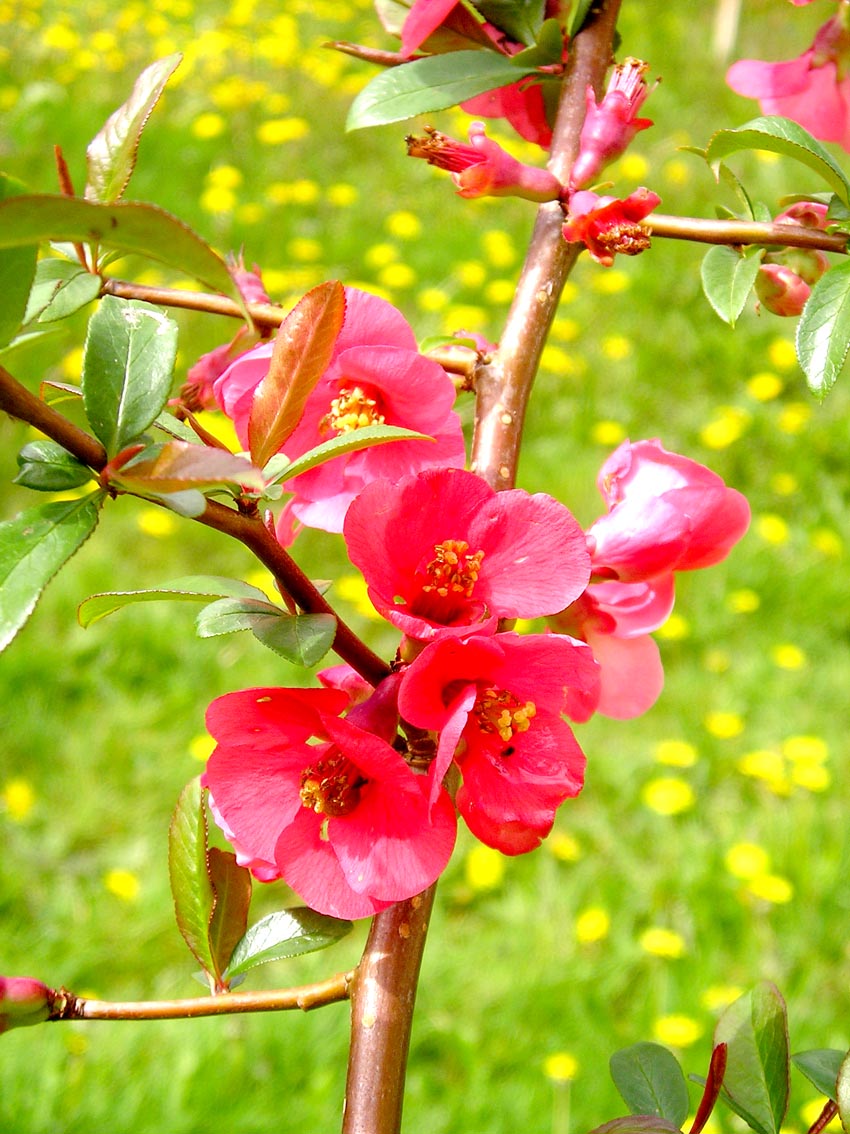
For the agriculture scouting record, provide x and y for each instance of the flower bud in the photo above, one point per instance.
(482, 168)
(781, 290)
(610, 125)
(23, 1001)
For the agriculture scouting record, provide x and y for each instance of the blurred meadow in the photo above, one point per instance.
(709, 847)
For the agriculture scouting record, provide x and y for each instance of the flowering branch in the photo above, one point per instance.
(250, 530)
(504, 384)
(66, 1006)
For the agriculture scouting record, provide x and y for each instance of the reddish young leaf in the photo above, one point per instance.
(176, 465)
(228, 922)
(713, 1083)
(303, 349)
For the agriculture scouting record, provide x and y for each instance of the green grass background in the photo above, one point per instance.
(530, 957)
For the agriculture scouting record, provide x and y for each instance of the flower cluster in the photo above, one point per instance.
(813, 89)
(785, 279)
(315, 786)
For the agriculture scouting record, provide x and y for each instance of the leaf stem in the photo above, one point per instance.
(67, 1006)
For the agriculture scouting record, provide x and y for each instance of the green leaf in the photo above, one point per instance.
(126, 226)
(17, 270)
(231, 885)
(191, 887)
(727, 280)
(302, 351)
(191, 588)
(47, 467)
(521, 20)
(821, 1068)
(649, 1078)
(33, 547)
(756, 1082)
(780, 136)
(303, 639)
(285, 934)
(546, 52)
(230, 615)
(578, 16)
(347, 443)
(172, 466)
(111, 155)
(429, 84)
(128, 361)
(637, 1124)
(60, 288)
(823, 333)
(842, 1094)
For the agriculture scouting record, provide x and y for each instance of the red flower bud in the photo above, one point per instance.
(781, 290)
(483, 168)
(23, 1001)
(610, 125)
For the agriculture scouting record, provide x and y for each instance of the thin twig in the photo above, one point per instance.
(67, 1006)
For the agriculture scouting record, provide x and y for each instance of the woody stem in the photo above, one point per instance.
(384, 987)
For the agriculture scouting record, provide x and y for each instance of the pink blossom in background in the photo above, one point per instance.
(610, 125)
(665, 513)
(616, 620)
(608, 225)
(496, 703)
(442, 553)
(813, 89)
(376, 376)
(197, 392)
(345, 822)
(483, 168)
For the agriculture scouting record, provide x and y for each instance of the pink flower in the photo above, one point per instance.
(610, 125)
(344, 821)
(523, 103)
(608, 225)
(615, 619)
(665, 513)
(197, 392)
(813, 89)
(496, 703)
(443, 554)
(23, 1001)
(483, 168)
(376, 375)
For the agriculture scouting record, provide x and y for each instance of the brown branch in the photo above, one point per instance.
(66, 1006)
(504, 384)
(383, 992)
(384, 987)
(210, 303)
(16, 400)
(745, 232)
